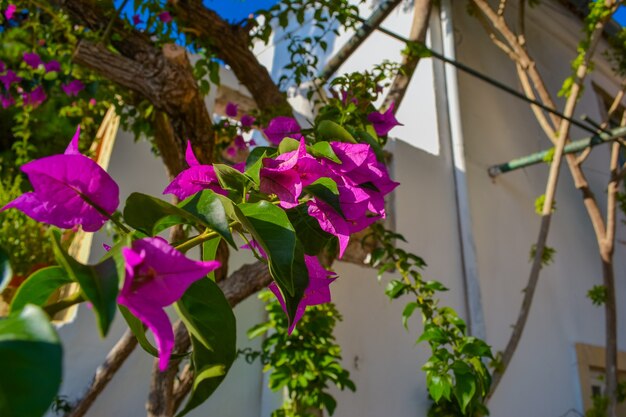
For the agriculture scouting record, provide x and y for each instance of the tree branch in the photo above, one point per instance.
(232, 44)
(114, 360)
(419, 28)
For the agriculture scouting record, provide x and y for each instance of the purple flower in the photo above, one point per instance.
(32, 60)
(288, 173)
(247, 120)
(194, 179)
(331, 222)
(383, 122)
(157, 275)
(317, 292)
(6, 101)
(72, 88)
(137, 20)
(232, 109)
(9, 78)
(92, 102)
(3, 66)
(35, 97)
(10, 11)
(52, 66)
(281, 127)
(255, 245)
(69, 189)
(165, 17)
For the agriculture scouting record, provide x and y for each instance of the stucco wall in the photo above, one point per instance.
(542, 379)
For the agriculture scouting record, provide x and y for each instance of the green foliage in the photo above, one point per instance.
(304, 51)
(211, 323)
(271, 228)
(597, 294)
(455, 372)
(21, 236)
(31, 362)
(547, 256)
(540, 201)
(598, 12)
(305, 363)
(98, 283)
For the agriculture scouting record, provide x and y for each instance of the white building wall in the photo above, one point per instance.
(542, 379)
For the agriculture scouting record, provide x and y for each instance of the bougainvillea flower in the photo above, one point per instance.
(137, 20)
(35, 97)
(232, 109)
(282, 127)
(9, 78)
(247, 120)
(359, 166)
(73, 88)
(255, 245)
(67, 190)
(6, 101)
(157, 275)
(331, 222)
(383, 122)
(10, 11)
(165, 17)
(288, 173)
(196, 178)
(32, 59)
(317, 292)
(52, 66)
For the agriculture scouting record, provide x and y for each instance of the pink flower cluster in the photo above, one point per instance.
(362, 183)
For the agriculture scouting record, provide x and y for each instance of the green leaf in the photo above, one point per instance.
(39, 286)
(257, 154)
(211, 323)
(329, 130)
(325, 189)
(209, 252)
(436, 387)
(253, 171)
(271, 228)
(208, 207)
(152, 215)
(323, 150)
(231, 179)
(407, 312)
(464, 388)
(98, 283)
(432, 333)
(308, 230)
(288, 145)
(395, 289)
(6, 272)
(31, 362)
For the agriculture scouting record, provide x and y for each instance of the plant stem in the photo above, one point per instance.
(64, 303)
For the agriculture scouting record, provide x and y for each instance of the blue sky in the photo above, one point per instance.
(620, 15)
(236, 10)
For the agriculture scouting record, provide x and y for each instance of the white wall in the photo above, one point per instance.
(542, 379)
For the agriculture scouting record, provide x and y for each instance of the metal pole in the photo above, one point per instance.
(572, 147)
